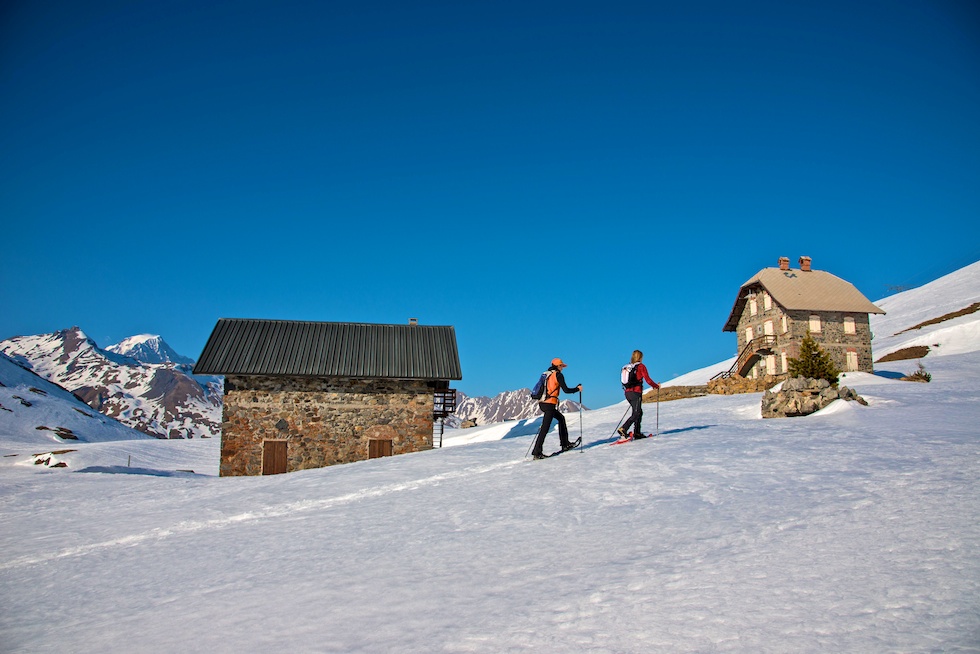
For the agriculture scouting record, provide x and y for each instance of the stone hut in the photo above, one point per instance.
(777, 307)
(304, 395)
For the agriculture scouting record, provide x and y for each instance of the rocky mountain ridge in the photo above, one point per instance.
(160, 399)
(509, 405)
(34, 410)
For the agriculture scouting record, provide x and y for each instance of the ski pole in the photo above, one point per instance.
(533, 440)
(621, 420)
(580, 442)
(530, 446)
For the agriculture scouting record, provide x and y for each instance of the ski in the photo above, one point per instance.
(630, 438)
(574, 444)
(571, 446)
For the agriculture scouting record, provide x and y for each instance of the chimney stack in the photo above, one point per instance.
(784, 263)
(805, 264)
(413, 321)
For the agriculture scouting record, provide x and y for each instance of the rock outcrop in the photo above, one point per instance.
(800, 396)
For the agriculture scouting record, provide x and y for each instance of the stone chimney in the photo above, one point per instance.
(413, 321)
(805, 264)
(784, 263)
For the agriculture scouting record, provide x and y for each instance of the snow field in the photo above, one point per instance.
(855, 529)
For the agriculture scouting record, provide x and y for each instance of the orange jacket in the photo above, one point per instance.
(555, 384)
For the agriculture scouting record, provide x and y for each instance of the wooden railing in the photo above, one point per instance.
(754, 349)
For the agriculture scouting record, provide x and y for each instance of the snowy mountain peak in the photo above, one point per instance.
(148, 348)
(509, 405)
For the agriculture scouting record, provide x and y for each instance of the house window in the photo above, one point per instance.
(767, 328)
(749, 335)
(753, 306)
(379, 447)
(274, 457)
(852, 360)
(766, 301)
(849, 325)
(771, 364)
(815, 324)
(785, 324)
(784, 359)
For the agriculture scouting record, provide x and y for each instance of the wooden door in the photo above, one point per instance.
(379, 447)
(273, 457)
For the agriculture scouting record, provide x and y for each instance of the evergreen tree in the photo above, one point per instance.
(813, 362)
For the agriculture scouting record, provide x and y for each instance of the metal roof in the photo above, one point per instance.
(289, 348)
(793, 289)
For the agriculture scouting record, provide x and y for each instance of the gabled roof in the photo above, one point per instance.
(288, 348)
(793, 289)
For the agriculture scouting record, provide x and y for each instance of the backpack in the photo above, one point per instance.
(628, 376)
(538, 389)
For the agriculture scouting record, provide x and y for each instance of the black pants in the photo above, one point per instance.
(636, 403)
(550, 411)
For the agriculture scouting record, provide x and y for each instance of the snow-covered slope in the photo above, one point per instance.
(904, 311)
(163, 400)
(853, 530)
(148, 348)
(37, 413)
(701, 376)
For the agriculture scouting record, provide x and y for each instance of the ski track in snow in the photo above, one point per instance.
(269, 512)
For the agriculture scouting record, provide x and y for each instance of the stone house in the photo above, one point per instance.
(304, 395)
(777, 307)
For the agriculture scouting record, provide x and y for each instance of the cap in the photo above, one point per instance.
(558, 362)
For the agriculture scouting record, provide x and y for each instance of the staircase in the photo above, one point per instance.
(750, 354)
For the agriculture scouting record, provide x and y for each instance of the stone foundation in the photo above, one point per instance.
(668, 393)
(730, 386)
(324, 421)
(736, 385)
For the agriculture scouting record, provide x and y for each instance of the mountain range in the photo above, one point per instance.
(509, 405)
(140, 382)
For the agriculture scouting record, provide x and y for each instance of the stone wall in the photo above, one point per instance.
(730, 386)
(831, 337)
(668, 393)
(324, 421)
(737, 385)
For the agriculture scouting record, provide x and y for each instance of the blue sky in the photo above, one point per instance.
(573, 179)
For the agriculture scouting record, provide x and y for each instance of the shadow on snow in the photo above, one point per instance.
(614, 438)
(125, 470)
